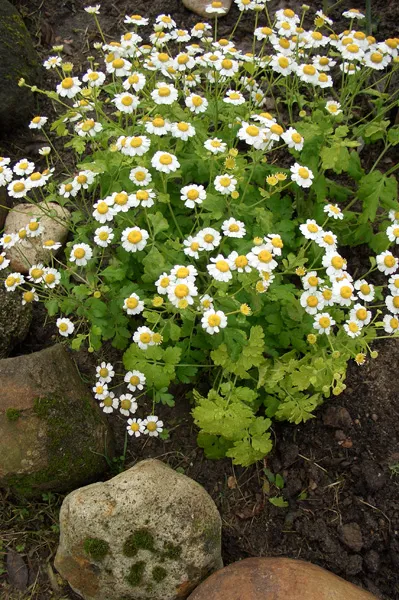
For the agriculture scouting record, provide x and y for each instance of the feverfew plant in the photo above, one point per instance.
(210, 193)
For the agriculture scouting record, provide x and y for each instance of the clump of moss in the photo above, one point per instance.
(171, 551)
(138, 540)
(136, 573)
(159, 574)
(96, 548)
(12, 414)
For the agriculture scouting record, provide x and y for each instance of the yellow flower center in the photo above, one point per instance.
(82, 179)
(297, 138)
(103, 235)
(142, 195)
(36, 273)
(182, 59)
(134, 78)
(323, 77)
(194, 246)
(127, 100)
(165, 159)
(215, 143)
(140, 175)
(208, 238)
(121, 198)
(67, 83)
(135, 427)
(136, 142)
(126, 404)
(346, 292)
(132, 302)
(234, 228)
(63, 327)
(164, 92)
(192, 194)
(394, 323)
(353, 327)
(182, 126)
(102, 208)
(252, 130)
(158, 122)
(327, 294)
(395, 301)
(34, 226)
(87, 125)
(328, 239)
(36, 120)
(376, 57)
(79, 253)
(103, 372)
(227, 63)
(222, 266)
(316, 35)
(389, 261)
(197, 100)
(214, 320)
(324, 322)
(352, 48)
(49, 278)
(392, 43)
(361, 314)
(118, 63)
(309, 70)
(283, 62)
(265, 256)
(134, 237)
(323, 61)
(151, 426)
(312, 301)
(107, 401)
(225, 181)
(181, 290)
(284, 43)
(288, 13)
(10, 281)
(313, 281)
(276, 129)
(93, 76)
(145, 337)
(164, 282)
(216, 4)
(18, 187)
(134, 380)
(337, 262)
(182, 273)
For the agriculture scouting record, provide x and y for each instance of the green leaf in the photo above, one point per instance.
(52, 307)
(154, 264)
(278, 501)
(251, 354)
(158, 222)
(375, 189)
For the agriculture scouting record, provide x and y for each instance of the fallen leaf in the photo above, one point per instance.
(17, 570)
(232, 482)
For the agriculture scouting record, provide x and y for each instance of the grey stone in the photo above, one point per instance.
(18, 59)
(351, 536)
(53, 436)
(29, 251)
(148, 533)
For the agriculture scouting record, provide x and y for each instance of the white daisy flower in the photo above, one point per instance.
(135, 380)
(4, 261)
(93, 78)
(181, 294)
(321, 15)
(4, 161)
(353, 328)
(307, 73)
(215, 8)
(196, 104)
(327, 240)
(13, 280)
(387, 263)
(105, 372)
(213, 321)
(349, 68)
(100, 390)
(36, 179)
(119, 66)
(209, 238)
(221, 269)
(8, 240)
(38, 122)
(262, 33)
(261, 258)
(5, 175)
(393, 233)
(301, 175)
(334, 263)
(134, 239)
(136, 20)
(81, 254)
(122, 201)
(88, 128)
(135, 427)
(183, 62)
(251, 134)
(392, 303)
(394, 215)
(164, 93)
(200, 29)
(93, 10)
(140, 176)
(391, 324)
(126, 102)
(225, 184)
(36, 273)
(239, 262)
(127, 405)
(228, 67)
(69, 87)
(133, 305)
(34, 228)
(293, 139)
(165, 162)
(333, 211)
(162, 283)
(323, 323)
(104, 210)
(324, 80)
(233, 228)
(67, 189)
(52, 62)
(153, 426)
(275, 242)
(182, 130)
(51, 278)
(310, 230)
(353, 13)
(205, 302)
(192, 247)
(323, 63)
(44, 150)
(109, 403)
(334, 108)
(312, 301)
(157, 126)
(233, 97)
(143, 198)
(361, 314)
(215, 145)
(182, 273)
(137, 145)
(311, 281)
(103, 236)
(393, 284)
(192, 195)
(17, 188)
(65, 326)
(84, 179)
(343, 292)
(135, 81)
(143, 337)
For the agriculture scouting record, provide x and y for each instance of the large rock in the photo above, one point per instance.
(18, 59)
(276, 579)
(52, 434)
(147, 533)
(29, 251)
(15, 320)
(199, 7)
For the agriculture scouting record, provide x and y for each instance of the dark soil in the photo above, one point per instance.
(341, 485)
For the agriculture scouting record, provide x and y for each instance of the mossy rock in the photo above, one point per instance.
(15, 320)
(60, 438)
(18, 59)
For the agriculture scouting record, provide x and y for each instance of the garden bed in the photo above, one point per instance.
(336, 477)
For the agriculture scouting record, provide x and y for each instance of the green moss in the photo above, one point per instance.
(96, 548)
(138, 540)
(171, 551)
(159, 574)
(12, 414)
(135, 576)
